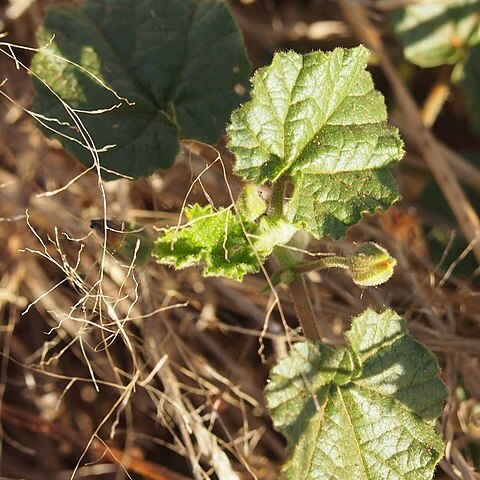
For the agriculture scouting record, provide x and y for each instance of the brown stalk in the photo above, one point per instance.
(436, 98)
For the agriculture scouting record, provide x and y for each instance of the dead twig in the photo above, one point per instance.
(436, 98)
(31, 422)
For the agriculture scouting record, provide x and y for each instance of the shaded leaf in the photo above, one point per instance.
(318, 119)
(178, 61)
(377, 422)
(437, 33)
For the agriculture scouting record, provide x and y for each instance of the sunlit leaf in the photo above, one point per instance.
(317, 119)
(224, 243)
(364, 412)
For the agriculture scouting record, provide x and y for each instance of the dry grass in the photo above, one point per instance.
(121, 371)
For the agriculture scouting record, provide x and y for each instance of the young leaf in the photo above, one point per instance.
(178, 61)
(273, 231)
(436, 33)
(318, 119)
(250, 203)
(365, 412)
(218, 239)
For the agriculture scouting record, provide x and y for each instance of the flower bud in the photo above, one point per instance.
(371, 265)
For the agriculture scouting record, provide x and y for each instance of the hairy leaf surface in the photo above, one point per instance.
(227, 245)
(364, 412)
(177, 61)
(317, 119)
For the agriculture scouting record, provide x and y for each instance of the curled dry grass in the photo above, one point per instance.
(121, 371)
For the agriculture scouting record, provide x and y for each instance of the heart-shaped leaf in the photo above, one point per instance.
(174, 64)
(365, 412)
(318, 119)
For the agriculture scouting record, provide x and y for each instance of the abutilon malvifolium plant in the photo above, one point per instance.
(315, 131)
(315, 121)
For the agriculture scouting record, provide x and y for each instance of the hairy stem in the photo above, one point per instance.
(327, 262)
(301, 298)
(303, 308)
(278, 195)
(297, 288)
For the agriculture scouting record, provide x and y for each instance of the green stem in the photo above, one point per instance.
(278, 195)
(301, 298)
(298, 291)
(370, 265)
(297, 288)
(303, 307)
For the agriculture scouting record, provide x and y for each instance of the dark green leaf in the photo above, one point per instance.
(178, 61)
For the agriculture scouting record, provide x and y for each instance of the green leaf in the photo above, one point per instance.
(445, 32)
(329, 204)
(273, 230)
(317, 119)
(228, 246)
(178, 61)
(250, 203)
(377, 422)
(436, 33)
